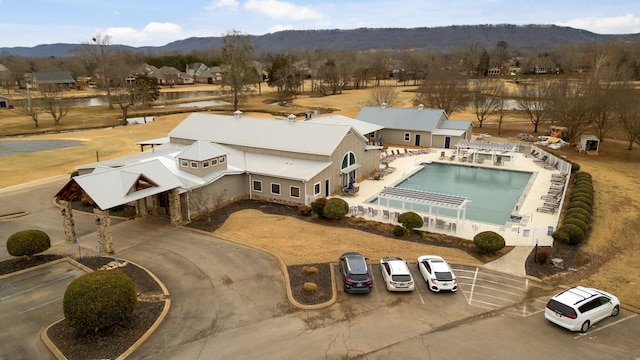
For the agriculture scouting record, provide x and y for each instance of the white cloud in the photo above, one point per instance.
(223, 4)
(153, 33)
(280, 27)
(626, 24)
(282, 10)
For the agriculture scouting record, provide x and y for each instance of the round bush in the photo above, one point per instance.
(584, 187)
(398, 230)
(305, 210)
(488, 241)
(410, 220)
(583, 182)
(585, 199)
(560, 236)
(576, 235)
(582, 175)
(579, 204)
(575, 167)
(336, 208)
(98, 300)
(577, 222)
(28, 243)
(582, 193)
(318, 204)
(582, 217)
(580, 211)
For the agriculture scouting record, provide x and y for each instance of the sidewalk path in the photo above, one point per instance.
(512, 263)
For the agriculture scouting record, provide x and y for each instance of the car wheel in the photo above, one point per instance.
(615, 311)
(585, 326)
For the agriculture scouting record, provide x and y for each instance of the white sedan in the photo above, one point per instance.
(396, 274)
(437, 273)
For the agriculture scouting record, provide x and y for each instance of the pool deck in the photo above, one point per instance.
(532, 228)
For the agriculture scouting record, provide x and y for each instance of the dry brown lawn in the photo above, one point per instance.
(613, 245)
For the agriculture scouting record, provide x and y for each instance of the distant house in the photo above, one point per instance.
(195, 69)
(64, 78)
(416, 126)
(4, 102)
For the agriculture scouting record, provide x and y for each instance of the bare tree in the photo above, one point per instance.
(53, 101)
(445, 90)
(382, 94)
(570, 107)
(534, 100)
(31, 108)
(101, 60)
(626, 109)
(485, 98)
(601, 94)
(239, 71)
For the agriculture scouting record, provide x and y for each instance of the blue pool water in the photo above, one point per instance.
(494, 193)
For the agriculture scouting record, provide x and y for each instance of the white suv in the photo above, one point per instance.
(396, 274)
(579, 307)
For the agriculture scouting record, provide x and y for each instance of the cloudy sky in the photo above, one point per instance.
(158, 22)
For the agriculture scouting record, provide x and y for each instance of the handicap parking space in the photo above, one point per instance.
(31, 301)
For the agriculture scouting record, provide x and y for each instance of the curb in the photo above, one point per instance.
(167, 304)
(285, 272)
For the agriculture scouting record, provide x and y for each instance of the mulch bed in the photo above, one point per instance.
(298, 277)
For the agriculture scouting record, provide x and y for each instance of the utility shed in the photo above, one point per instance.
(589, 144)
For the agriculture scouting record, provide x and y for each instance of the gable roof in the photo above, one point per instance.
(299, 136)
(403, 118)
(362, 127)
(54, 77)
(110, 187)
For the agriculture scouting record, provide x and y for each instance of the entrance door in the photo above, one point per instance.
(447, 142)
(417, 140)
(163, 199)
(326, 188)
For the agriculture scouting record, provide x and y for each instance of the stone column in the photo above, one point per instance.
(175, 208)
(68, 225)
(103, 226)
(141, 208)
(152, 208)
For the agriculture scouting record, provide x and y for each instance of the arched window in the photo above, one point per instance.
(349, 159)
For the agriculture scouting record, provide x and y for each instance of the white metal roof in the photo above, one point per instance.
(306, 137)
(201, 150)
(295, 169)
(116, 186)
(448, 132)
(424, 197)
(362, 127)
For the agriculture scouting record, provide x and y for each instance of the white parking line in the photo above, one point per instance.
(606, 326)
(420, 296)
(473, 284)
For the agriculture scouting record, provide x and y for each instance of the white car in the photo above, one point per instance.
(580, 307)
(396, 274)
(437, 273)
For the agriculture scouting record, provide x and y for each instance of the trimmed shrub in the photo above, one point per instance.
(310, 287)
(305, 210)
(98, 300)
(560, 236)
(543, 255)
(577, 222)
(28, 243)
(410, 220)
(583, 187)
(583, 198)
(580, 211)
(335, 208)
(582, 193)
(583, 182)
(579, 204)
(310, 270)
(582, 217)
(576, 235)
(398, 230)
(575, 167)
(488, 242)
(582, 175)
(318, 204)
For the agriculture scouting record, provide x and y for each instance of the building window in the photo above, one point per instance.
(194, 164)
(214, 162)
(407, 136)
(221, 159)
(257, 185)
(184, 163)
(316, 188)
(205, 164)
(275, 188)
(295, 192)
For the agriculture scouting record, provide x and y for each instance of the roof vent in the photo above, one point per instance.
(237, 114)
(383, 105)
(292, 118)
(421, 107)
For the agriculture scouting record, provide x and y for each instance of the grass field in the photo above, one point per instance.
(613, 246)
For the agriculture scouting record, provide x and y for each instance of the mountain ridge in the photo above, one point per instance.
(433, 39)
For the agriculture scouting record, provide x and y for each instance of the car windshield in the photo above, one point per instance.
(561, 308)
(444, 276)
(401, 278)
(359, 277)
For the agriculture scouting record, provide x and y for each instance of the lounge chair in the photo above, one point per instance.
(385, 214)
(553, 197)
(442, 156)
(498, 161)
(479, 160)
(427, 221)
(548, 209)
(543, 160)
(452, 156)
(361, 209)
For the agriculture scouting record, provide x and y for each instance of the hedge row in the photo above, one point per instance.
(579, 215)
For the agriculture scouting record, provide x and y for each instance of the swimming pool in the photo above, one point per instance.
(493, 193)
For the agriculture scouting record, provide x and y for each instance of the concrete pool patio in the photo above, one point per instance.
(529, 228)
